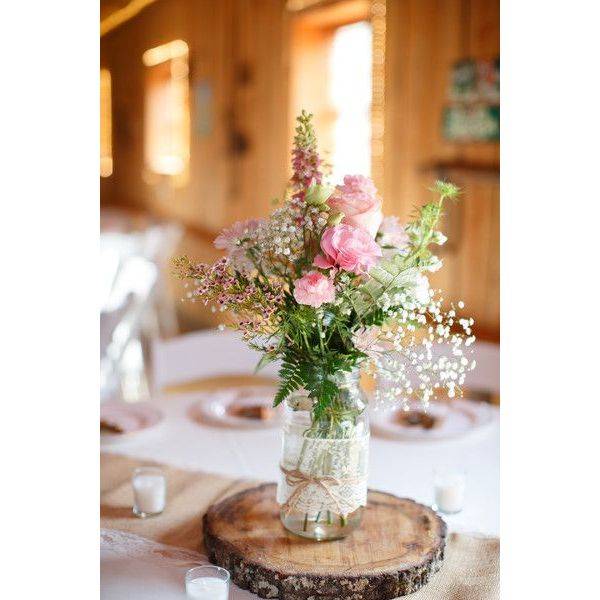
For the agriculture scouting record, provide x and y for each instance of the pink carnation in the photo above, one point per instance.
(314, 289)
(349, 248)
(359, 202)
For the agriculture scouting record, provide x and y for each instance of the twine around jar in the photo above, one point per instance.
(299, 481)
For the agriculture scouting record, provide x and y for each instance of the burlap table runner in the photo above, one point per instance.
(470, 570)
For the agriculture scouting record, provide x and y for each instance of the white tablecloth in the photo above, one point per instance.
(402, 468)
(125, 578)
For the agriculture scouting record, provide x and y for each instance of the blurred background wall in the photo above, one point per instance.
(198, 99)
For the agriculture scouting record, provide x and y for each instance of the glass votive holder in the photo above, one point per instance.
(207, 583)
(149, 491)
(449, 490)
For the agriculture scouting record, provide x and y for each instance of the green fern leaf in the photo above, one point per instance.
(290, 379)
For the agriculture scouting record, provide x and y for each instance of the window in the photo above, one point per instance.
(167, 112)
(350, 96)
(106, 159)
(337, 52)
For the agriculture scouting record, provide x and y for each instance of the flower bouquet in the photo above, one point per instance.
(326, 285)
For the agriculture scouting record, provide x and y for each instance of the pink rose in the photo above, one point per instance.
(349, 248)
(359, 202)
(314, 289)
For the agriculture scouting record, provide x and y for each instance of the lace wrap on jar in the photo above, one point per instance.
(323, 474)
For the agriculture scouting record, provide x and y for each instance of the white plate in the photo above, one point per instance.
(149, 419)
(214, 407)
(456, 419)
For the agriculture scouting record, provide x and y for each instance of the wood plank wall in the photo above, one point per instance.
(241, 49)
(424, 38)
(238, 50)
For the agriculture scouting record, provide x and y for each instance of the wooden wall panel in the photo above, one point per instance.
(259, 109)
(237, 51)
(240, 49)
(483, 42)
(424, 39)
(238, 155)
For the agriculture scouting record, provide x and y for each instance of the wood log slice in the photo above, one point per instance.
(394, 552)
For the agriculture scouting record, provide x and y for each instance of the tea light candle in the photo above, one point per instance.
(207, 583)
(149, 491)
(449, 491)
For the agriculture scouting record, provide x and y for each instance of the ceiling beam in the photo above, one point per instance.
(122, 15)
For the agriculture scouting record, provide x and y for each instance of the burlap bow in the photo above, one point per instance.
(299, 481)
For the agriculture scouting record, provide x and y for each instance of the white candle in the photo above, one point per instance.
(450, 492)
(150, 492)
(207, 588)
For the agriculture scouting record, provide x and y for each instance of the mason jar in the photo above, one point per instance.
(324, 462)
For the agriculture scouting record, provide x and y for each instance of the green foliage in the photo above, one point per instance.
(375, 317)
(324, 391)
(388, 276)
(266, 358)
(290, 378)
(314, 374)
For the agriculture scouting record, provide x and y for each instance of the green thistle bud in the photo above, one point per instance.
(445, 189)
(317, 195)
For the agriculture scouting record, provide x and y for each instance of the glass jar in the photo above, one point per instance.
(324, 465)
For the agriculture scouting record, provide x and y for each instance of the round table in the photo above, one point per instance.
(401, 468)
